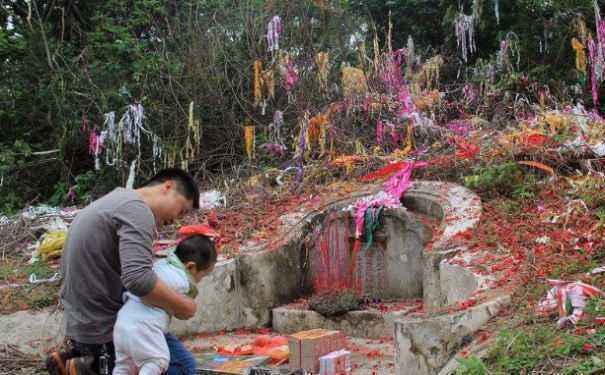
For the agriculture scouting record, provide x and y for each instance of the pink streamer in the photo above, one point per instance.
(392, 75)
(275, 149)
(379, 132)
(390, 197)
(94, 146)
(367, 105)
(405, 100)
(469, 93)
(459, 127)
(394, 133)
(601, 33)
(292, 77)
(399, 183)
(592, 51)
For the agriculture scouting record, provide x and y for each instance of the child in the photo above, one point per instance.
(139, 330)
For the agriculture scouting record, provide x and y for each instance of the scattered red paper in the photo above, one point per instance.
(533, 139)
(384, 172)
(198, 229)
(466, 150)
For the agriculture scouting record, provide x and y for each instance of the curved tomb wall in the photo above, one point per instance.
(389, 268)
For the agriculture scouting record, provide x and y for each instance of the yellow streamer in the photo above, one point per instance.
(250, 141)
(359, 149)
(432, 72)
(317, 131)
(376, 53)
(269, 83)
(322, 140)
(353, 81)
(580, 54)
(581, 29)
(322, 60)
(258, 82)
(363, 55)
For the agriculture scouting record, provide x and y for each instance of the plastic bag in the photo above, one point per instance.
(52, 244)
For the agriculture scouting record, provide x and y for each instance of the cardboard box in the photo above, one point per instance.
(335, 363)
(308, 346)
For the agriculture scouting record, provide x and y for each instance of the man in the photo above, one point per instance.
(109, 250)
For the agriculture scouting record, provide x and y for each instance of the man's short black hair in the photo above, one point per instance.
(185, 184)
(198, 249)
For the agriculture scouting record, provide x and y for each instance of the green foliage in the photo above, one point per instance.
(43, 301)
(12, 158)
(40, 268)
(530, 348)
(65, 71)
(60, 195)
(594, 306)
(505, 179)
(575, 267)
(471, 366)
(517, 351)
(591, 190)
(591, 365)
(600, 214)
(85, 188)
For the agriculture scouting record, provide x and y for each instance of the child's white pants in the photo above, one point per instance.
(140, 346)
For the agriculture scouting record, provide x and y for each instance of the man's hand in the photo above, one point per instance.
(170, 300)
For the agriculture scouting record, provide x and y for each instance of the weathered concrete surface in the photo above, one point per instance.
(459, 210)
(432, 295)
(364, 323)
(405, 249)
(270, 278)
(424, 345)
(219, 302)
(32, 332)
(371, 324)
(391, 268)
(457, 283)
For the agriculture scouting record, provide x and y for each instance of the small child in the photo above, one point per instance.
(139, 331)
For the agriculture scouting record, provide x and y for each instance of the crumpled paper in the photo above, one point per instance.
(567, 299)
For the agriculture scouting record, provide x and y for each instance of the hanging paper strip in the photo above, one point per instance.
(250, 141)
(580, 55)
(273, 32)
(292, 76)
(592, 51)
(258, 82)
(379, 132)
(323, 60)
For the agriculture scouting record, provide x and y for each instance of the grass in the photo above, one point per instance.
(16, 270)
(540, 348)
